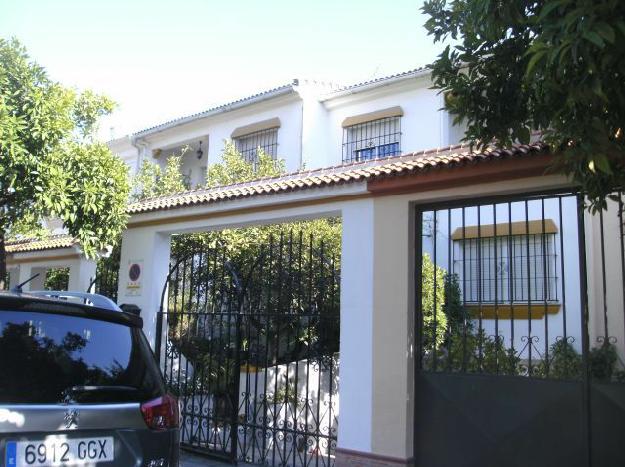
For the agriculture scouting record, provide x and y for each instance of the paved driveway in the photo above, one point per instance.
(191, 460)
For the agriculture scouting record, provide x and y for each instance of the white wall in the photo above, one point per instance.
(124, 149)
(606, 265)
(81, 269)
(311, 134)
(219, 127)
(191, 167)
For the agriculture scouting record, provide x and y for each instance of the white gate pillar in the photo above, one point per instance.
(375, 422)
(81, 273)
(356, 343)
(145, 252)
(25, 272)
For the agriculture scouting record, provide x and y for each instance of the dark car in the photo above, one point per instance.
(79, 385)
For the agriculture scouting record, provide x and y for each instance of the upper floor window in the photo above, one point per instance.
(262, 135)
(373, 135)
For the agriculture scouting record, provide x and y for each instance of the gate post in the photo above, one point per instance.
(80, 273)
(375, 421)
(356, 333)
(144, 265)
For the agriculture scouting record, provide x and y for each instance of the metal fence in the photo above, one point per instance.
(106, 279)
(250, 344)
(521, 325)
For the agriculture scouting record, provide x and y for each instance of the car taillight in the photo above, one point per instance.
(161, 413)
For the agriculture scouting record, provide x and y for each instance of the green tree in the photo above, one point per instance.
(556, 66)
(233, 168)
(50, 164)
(433, 303)
(56, 279)
(243, 244)
(152, 181)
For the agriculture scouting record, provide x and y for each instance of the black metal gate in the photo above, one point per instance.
(251, 348)
(106, 277)
(520, 329)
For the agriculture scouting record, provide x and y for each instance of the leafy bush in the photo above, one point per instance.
(456, 313)
(432, 304)
(459, 346)
(57, 279)
(472, 351)
(602, 361)
(564, 362)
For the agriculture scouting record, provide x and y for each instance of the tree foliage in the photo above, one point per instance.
(233, 168)
(50, 164)
(152, 181)
(556, 66)
(56, 279)
(244, 244)
(433, 303)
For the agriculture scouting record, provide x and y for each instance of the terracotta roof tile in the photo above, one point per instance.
(32, 244)
(394, 166)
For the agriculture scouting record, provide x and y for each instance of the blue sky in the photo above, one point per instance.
(163, 59)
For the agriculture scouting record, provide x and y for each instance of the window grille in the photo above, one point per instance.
(248, 145)
(522, 269)
(372, 140)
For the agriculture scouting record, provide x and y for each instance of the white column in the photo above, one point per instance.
(393, 316)
(23, 273)
(376, 390)
(356, 346)
(81, 273)
(26, 271)
(14, 275)
(149, 250)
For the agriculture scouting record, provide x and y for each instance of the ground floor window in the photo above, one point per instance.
(507, 269)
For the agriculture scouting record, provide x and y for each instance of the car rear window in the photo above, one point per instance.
(54, 358)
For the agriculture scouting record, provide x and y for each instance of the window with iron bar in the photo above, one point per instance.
(248, 145)
(507, 269)
(372, 140)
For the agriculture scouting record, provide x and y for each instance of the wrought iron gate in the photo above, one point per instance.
(251, 348)
(106, 277)
(520, 331)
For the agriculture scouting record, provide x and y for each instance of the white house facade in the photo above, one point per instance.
(540, 289)
(307, 124)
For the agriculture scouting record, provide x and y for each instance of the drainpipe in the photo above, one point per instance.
(141, 147)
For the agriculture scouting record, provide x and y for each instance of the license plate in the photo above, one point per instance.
(61, 451)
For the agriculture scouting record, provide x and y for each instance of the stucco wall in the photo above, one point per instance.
(310, 134)
(217, 128)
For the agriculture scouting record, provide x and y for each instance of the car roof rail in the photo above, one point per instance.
(92, 299)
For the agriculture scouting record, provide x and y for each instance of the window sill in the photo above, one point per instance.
(514, 311)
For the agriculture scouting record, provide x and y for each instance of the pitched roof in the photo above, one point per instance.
(33, 244)
(274, 92)
(280, 90)
(406, 164)
(383, 80)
